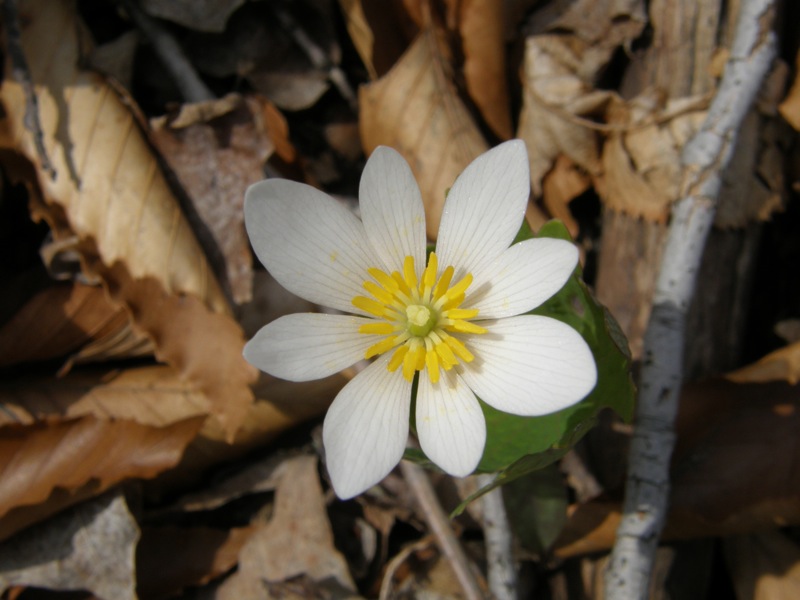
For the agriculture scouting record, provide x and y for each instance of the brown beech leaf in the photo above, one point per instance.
(727, 432)
(298, 539)
(70, 319)
(80, 456)
(643, 169)
(562, 185)
(780, 365)
(203, 346)
(169, 559)
(481, 25)
(88, 547)
(216, 155)
(155, 396)
(790, 106)
(414, 108)
(557, 108)
(764, 565)
(383, 20)
(108, 182)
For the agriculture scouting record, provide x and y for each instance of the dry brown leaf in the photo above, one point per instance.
(154, 396)
(790, 106)
(70, 319)
(557, 108)
(562, 185)
(297, 541)
(83, 455)
(169, 559)
(481, 25)
(780, 365)
(368, 20)
(204, 347)
(643, 170)
(216, 155)
(602, 25)
(414, 108)
(727, 432)
(89, 547)
(108, 182)
(764, 566)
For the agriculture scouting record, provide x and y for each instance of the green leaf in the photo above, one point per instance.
(516, 446)
(510, 437)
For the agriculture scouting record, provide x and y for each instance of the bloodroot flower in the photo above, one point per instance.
(455, 321)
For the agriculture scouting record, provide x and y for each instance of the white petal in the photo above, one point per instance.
(392, 210)
(311, 244)
(484, 209)
(366, 428)
(450, 423)
(307, 346)
(522, 278)
(530, 365)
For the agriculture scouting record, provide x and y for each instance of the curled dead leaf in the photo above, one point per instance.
(82, 456)
(297, 541)
(557, 109)
(482, 29)
(414, 108)
(217, 149)
(107, 183)
(75, 320)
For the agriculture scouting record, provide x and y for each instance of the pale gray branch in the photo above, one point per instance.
(704, 160)
(500, 566)
(420, 485)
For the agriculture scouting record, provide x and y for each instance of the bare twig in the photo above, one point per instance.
(420, 485)
(704, 160)
(502, 571)
(394, 564)
(317, 56)
(171, 54)
(22, 74)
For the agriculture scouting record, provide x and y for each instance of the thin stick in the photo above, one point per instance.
(317, 56)
(192, 88)
(502, 571)
(19, 67)
(399, 559)
(704, 160)
(434, 514)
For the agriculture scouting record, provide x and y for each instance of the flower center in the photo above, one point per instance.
(419, 318)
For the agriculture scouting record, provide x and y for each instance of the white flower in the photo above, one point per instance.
(457, 320)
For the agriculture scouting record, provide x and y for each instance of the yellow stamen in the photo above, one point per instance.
(415, 314)
(397, 358)
(381, 347)
(459, 349)
(461, 313)
(409, 274)
(369, 305)
(461, 287)
(432, 363)
(466, 327)
(444, 283)
(385, 280)
(379, 292)
(379, 328)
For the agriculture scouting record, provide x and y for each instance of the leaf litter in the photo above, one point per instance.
(128, 371)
